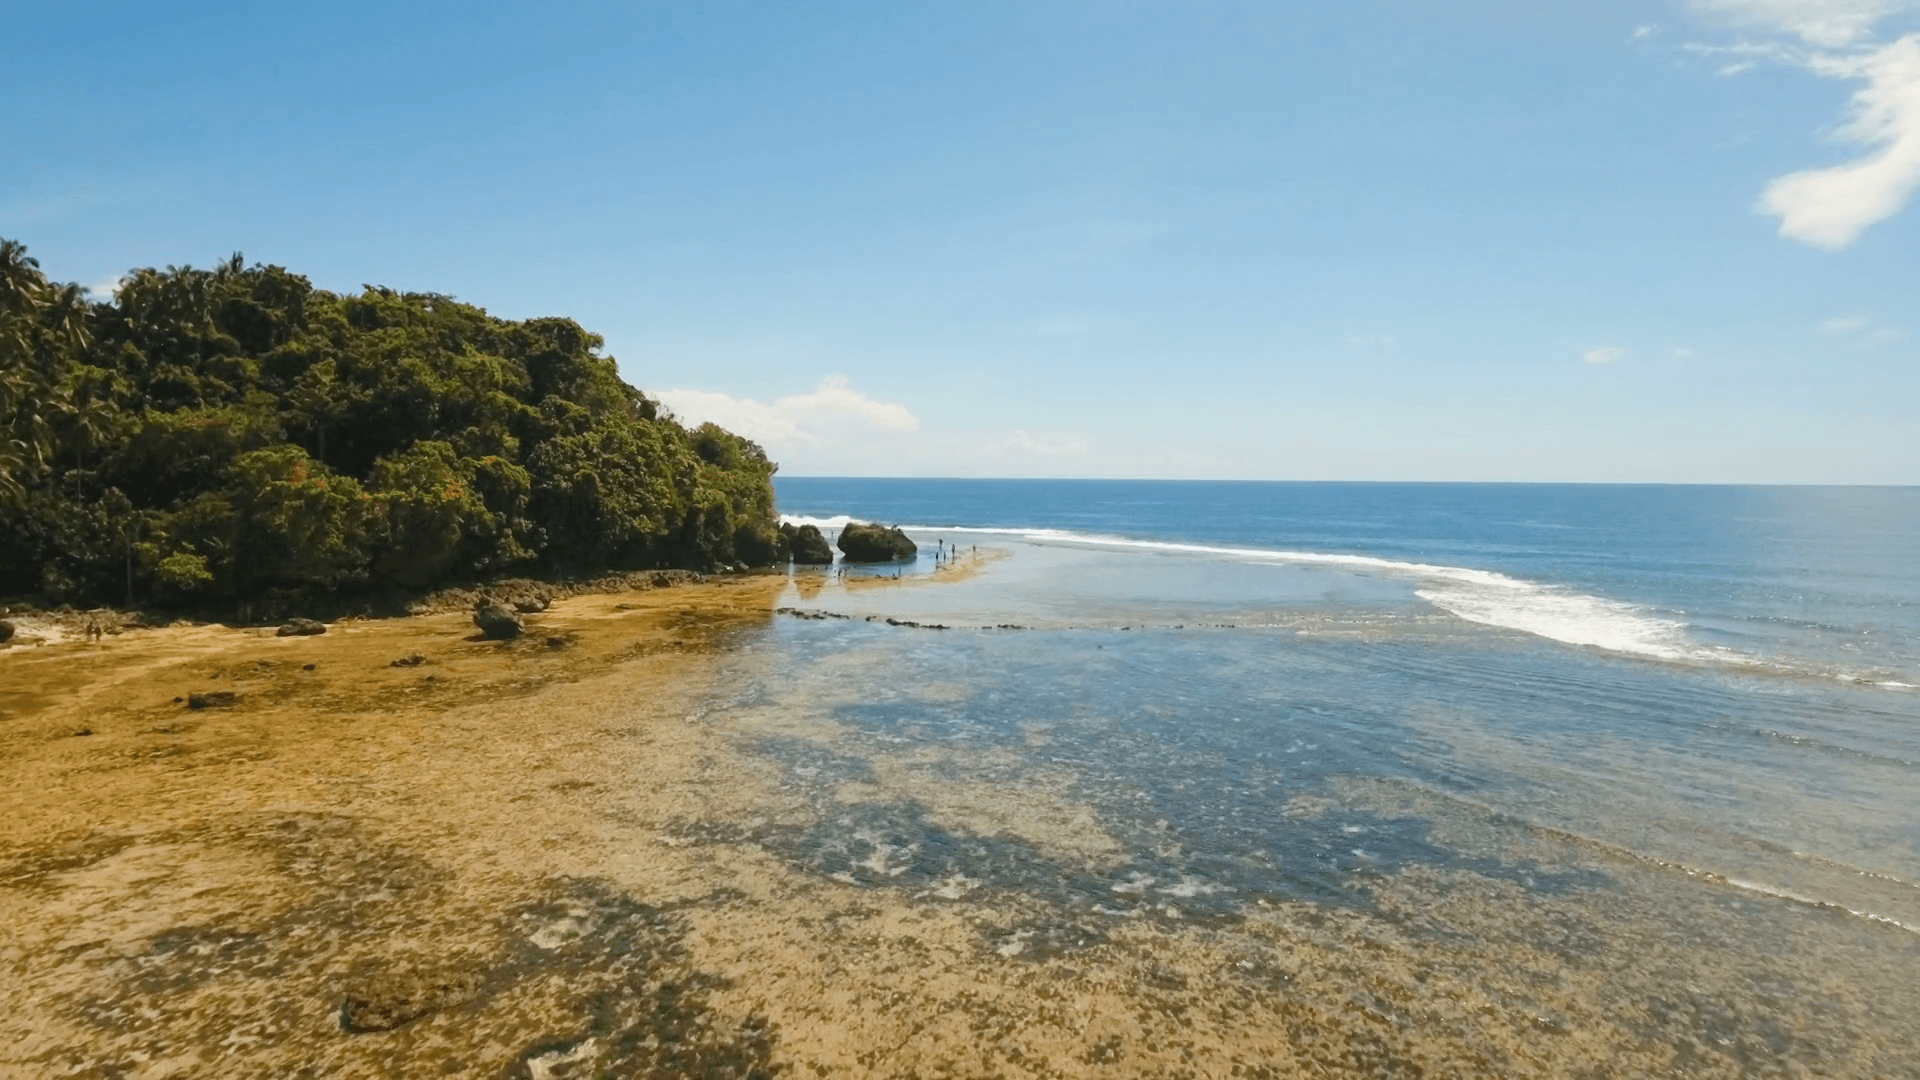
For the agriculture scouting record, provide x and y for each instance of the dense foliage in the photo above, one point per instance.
(214, 434)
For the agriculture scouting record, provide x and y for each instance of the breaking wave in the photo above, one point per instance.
(824, 524)
(1479, 596)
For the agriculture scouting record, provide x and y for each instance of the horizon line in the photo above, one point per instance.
(1218, 480)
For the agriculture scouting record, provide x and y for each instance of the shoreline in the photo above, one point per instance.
(38, 622)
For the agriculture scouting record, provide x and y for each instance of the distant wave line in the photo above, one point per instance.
(1487, 597)
(1482, 596)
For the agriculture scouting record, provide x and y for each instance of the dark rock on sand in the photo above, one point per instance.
(6, 631)
(212, 699)
(875, 543)
(806, 546)
(410, 660)
(496, 620)
(302, 628)
(530, 605)
(390, 1000)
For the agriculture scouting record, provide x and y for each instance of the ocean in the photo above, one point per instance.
(1643, 760)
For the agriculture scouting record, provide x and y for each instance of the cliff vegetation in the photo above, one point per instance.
(208, 436)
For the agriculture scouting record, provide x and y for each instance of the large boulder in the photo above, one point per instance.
(806, 546)
(6, 631)
(875, 543)
(496, 620)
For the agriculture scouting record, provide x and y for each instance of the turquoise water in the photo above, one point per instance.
(1686, 714)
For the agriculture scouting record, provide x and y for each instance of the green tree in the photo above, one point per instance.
(273, 436)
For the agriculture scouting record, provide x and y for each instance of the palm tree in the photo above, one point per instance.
(37, 322)
(22, 291)
(22, 288)
(91, 422)
(65, 316)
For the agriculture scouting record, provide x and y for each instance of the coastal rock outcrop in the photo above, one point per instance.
(806, 546)
(496, 620)
(301, 628)
(6, 631)
(863, 543)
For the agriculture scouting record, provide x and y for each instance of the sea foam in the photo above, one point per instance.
(1487, 597)
(1480, 596)
(824, 524)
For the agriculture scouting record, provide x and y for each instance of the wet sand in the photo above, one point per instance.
(533, 861)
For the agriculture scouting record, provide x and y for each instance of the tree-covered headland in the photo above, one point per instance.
(209, 436)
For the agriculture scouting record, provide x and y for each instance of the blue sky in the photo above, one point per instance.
(1397, 239)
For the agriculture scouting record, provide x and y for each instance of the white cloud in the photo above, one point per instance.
(1827, 23)
(1644, 31)
(798, 421)
(1048, 444)
(998, 453)
(1682, 352)
(1862, 330)
(1831, 207)
(835, 430)
(105, 289)
(1605, 354)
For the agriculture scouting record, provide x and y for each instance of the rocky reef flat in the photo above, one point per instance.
(398, 848)
(394, 848)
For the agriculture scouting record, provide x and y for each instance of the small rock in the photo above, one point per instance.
(530, 605)
(388, 1001)
(212, 699)
(82, 732)
(557, 642)
(307, 666)
(302, 628)
(6, 631)
(496, 621)
(415, 660)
